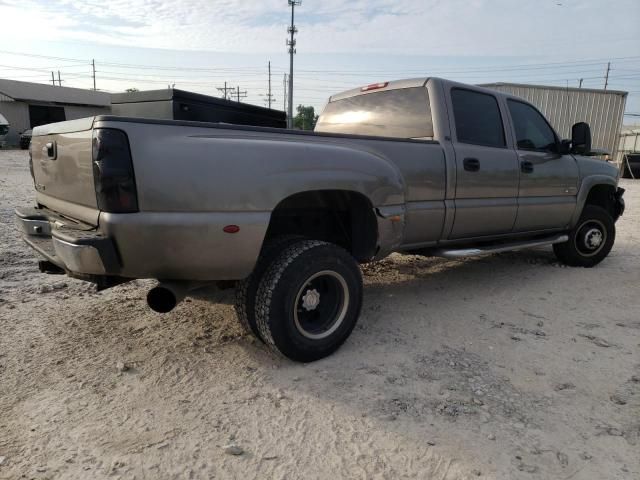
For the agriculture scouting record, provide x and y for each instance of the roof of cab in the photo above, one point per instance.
(407, 83)
(413, 82)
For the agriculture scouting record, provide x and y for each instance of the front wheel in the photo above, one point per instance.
(590, 241)
(309, 300)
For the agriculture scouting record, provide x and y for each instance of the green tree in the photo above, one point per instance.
(306, 118)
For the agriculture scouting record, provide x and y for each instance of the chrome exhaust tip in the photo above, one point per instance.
(164, 297)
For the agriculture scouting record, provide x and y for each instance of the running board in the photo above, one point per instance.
(503, 247)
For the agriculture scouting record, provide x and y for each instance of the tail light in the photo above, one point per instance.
(113, 172)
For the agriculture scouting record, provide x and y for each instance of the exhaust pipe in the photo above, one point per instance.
(166, 295)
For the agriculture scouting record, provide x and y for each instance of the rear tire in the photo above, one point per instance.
(309, 300)
(590, 241)
(245, 295)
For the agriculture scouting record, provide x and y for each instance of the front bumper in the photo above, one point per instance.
(619, 203)
(74, 247)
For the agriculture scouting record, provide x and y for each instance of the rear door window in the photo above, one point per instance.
(477, 118)
(532, 130)
(401, 113)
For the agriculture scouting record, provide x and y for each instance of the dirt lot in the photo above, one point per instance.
(508, 366)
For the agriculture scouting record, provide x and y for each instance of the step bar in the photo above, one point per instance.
(502, 247)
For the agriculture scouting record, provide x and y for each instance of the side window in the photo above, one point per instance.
(532, 130)
(477, 118)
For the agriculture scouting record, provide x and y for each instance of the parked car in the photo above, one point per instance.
(631, 165)
(25, 139)
(424, 166)
(4, 130)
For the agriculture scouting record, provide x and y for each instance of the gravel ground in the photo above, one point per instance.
(508, 366)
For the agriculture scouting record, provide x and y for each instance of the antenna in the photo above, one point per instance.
(606, 77)
(291, 42)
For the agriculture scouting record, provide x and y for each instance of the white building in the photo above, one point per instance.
(26, 105)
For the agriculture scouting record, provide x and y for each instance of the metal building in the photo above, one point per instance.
(601, 109)
(26, 105)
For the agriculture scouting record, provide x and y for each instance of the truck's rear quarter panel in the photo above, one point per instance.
(192, 180)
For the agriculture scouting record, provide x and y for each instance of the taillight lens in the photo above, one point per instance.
(113, 172)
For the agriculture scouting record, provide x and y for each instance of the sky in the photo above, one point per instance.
(197, 45)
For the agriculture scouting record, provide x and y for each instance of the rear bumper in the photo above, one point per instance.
(74, 247)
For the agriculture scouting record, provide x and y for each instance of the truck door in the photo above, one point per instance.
(487, 168)
(548, 180)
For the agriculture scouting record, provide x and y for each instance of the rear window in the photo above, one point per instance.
(401, 113)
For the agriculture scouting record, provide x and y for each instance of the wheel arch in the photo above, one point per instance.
(596, 190)
(345, 217)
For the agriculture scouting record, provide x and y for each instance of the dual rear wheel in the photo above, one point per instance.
(303, 298)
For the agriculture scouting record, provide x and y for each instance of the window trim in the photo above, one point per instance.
(515, 132)
(455, 127)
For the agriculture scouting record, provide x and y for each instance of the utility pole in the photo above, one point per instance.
(292, 50)
(225, 90)
(53, 79)
(269, 97)
(93, 66)
(284, 98)
(239, 93)
(580, 86)
(59, 81)
(606, 77)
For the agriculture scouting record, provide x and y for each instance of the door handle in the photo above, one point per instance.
(526, 167)
(471, 164)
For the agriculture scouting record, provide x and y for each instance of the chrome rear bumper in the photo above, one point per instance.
(74, 247)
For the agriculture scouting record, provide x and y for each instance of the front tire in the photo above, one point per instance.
(590, 241)
(309, 300)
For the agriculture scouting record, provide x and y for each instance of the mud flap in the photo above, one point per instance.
(391, 222)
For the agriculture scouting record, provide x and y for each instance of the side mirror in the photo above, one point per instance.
(581, 138)
(564, 147)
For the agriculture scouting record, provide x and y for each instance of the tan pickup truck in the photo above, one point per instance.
(425, 166)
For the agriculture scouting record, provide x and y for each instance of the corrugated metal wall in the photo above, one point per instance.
(602, 110)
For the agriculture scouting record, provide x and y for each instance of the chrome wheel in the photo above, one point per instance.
(590, 238)
(321, 304)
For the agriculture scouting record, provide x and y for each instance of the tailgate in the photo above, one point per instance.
(62, 168)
